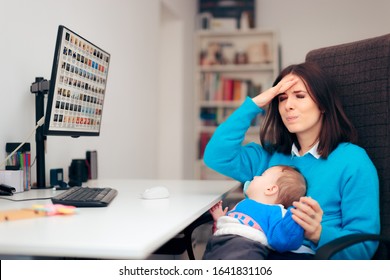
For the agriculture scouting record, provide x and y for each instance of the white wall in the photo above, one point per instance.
(304, 25)
(176, 111)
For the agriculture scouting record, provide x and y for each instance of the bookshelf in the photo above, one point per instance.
(229, 66)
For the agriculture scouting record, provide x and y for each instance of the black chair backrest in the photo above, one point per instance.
(361, 70)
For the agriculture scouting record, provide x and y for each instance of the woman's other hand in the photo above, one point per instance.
(308, 214)
(264, 98)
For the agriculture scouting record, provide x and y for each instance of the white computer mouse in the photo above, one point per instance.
(156, 192)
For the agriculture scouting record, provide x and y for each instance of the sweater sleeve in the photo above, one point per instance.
(359, 207)
(285, 234)
(225, 153)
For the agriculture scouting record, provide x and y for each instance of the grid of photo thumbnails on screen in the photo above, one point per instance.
(80, 85)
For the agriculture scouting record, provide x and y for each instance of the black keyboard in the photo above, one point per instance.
(85, 197)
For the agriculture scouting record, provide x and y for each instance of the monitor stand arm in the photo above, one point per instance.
(40, 87)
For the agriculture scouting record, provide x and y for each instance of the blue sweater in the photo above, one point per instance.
(345, 184)
(282, 232)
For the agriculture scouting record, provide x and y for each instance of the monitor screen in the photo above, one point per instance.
(77, 86)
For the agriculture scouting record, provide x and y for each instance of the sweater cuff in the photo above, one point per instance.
(249, 102)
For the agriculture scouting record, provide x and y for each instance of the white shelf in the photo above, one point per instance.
(253, 130)
(237, 68)
(222, 103)
(235, 34)
(230, 66)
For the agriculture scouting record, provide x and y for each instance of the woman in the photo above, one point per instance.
(306, 127)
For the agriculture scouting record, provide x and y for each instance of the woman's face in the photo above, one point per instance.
(299, 113)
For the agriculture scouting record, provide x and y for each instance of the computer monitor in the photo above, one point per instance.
(76, 93)
(77, 86)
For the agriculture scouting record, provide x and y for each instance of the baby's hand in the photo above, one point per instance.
(216, 206)
(216, 211)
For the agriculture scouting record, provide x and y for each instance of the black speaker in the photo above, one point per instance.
(78, 172)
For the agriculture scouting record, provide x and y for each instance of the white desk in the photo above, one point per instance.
(129, 228)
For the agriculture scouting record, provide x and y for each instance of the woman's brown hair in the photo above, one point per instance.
(336, 127)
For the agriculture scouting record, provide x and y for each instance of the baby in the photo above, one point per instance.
(263, 215)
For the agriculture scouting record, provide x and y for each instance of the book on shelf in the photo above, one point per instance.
(214, 116)
(216, 87)
(203, 140)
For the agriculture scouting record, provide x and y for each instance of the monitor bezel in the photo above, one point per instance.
(53, 87)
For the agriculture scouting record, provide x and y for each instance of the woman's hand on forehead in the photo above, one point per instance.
(264, 98)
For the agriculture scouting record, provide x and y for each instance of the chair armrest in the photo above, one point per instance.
(328, 250)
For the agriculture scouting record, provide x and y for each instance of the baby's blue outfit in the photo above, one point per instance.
(282, 232)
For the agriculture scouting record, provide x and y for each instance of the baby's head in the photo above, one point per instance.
(292, 186)
(279, 184)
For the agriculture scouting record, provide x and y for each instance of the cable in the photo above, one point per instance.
(26, 199)
(39, 123)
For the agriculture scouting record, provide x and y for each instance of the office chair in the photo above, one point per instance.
(361, 70)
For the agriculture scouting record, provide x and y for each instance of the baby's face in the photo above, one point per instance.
(260, 183)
